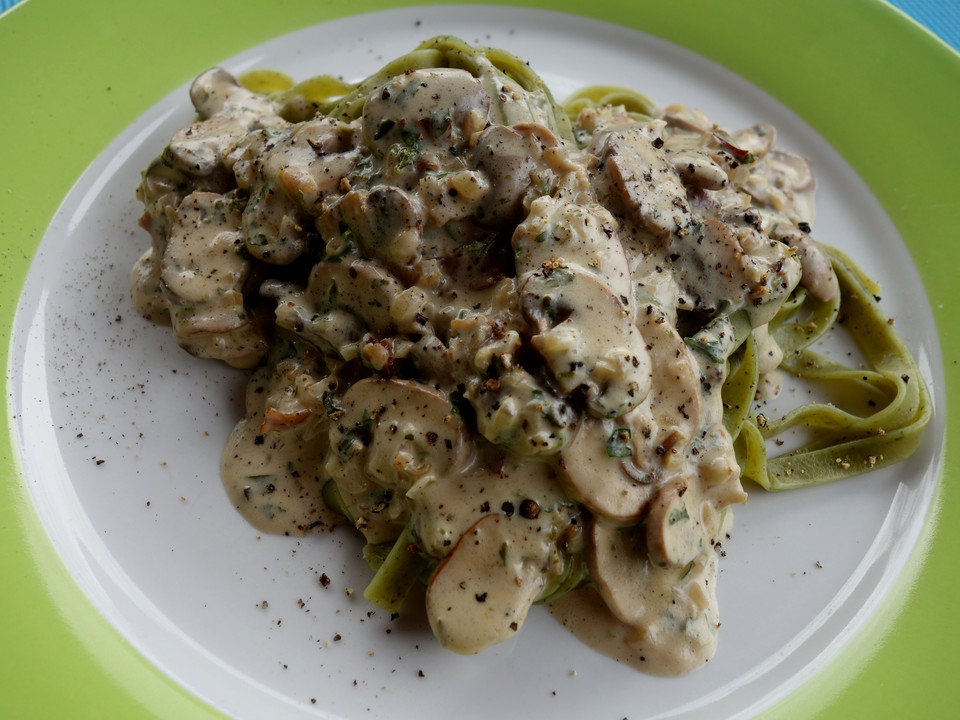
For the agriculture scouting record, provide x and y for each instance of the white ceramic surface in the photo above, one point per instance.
(120, 433)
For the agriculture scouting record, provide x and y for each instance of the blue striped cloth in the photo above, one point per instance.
(942, 17)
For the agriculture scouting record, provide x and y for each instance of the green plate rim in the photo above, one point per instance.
(74, 75)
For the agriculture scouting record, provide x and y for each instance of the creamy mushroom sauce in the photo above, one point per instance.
(475, 327)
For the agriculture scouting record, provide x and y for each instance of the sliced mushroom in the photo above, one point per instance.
(662, 620)
(698, 169)
(587, 339)
(597, 466)
(783, 182)
(433, 107)
(675, 383)
(687, 119)
(510, 157)
(643, 182)
(161, 190)
(689, 151)
(388, 436)
(818, 276)
(675, 533)
(732, 266)
(308, 161)
(387, 224)
(289, 174)
(228, 113)
(145, 291)
(639, 593)
(576, 234)
(447, 507)
(480, 593)
(739, 266)
(666, 421)
(359, 286)
(341, 303)
(274, 230)
(620, 571)
(202, 275)
(757, 139)
(333, 153)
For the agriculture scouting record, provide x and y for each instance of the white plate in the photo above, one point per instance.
(120, 435)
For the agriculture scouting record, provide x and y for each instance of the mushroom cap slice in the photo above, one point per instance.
(758, 139)
(620, 570)
(687, 119)
(510, 157)
(675, 391)
(434, 106)
(675, 532)
(202, 277)
(666, 421)
(739, 266)
(722, 266)
(587, 339)
(818, 276)
(447, 507)
(269, 466)
(597, 467)
(697, 168)
(228, 112)
(577, 234)
(388, 436)
(342, 302)
(658, 620)
(273, 229)
(784, 181)
(644, 182)
(480, 593)
(201, 262)
(642, 594)
(358, 286)
(312, 160)
(289, 175)
(387, 224)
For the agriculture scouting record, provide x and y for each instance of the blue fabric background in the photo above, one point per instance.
(940, 16)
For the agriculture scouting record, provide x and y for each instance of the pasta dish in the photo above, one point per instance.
(517, 344)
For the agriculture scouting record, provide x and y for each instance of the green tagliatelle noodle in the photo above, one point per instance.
(636, 105)
(495, 68)
(842, 443)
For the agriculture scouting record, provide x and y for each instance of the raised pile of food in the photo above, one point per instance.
(516, 344)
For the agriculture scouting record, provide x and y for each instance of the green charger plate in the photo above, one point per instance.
(878, 87)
